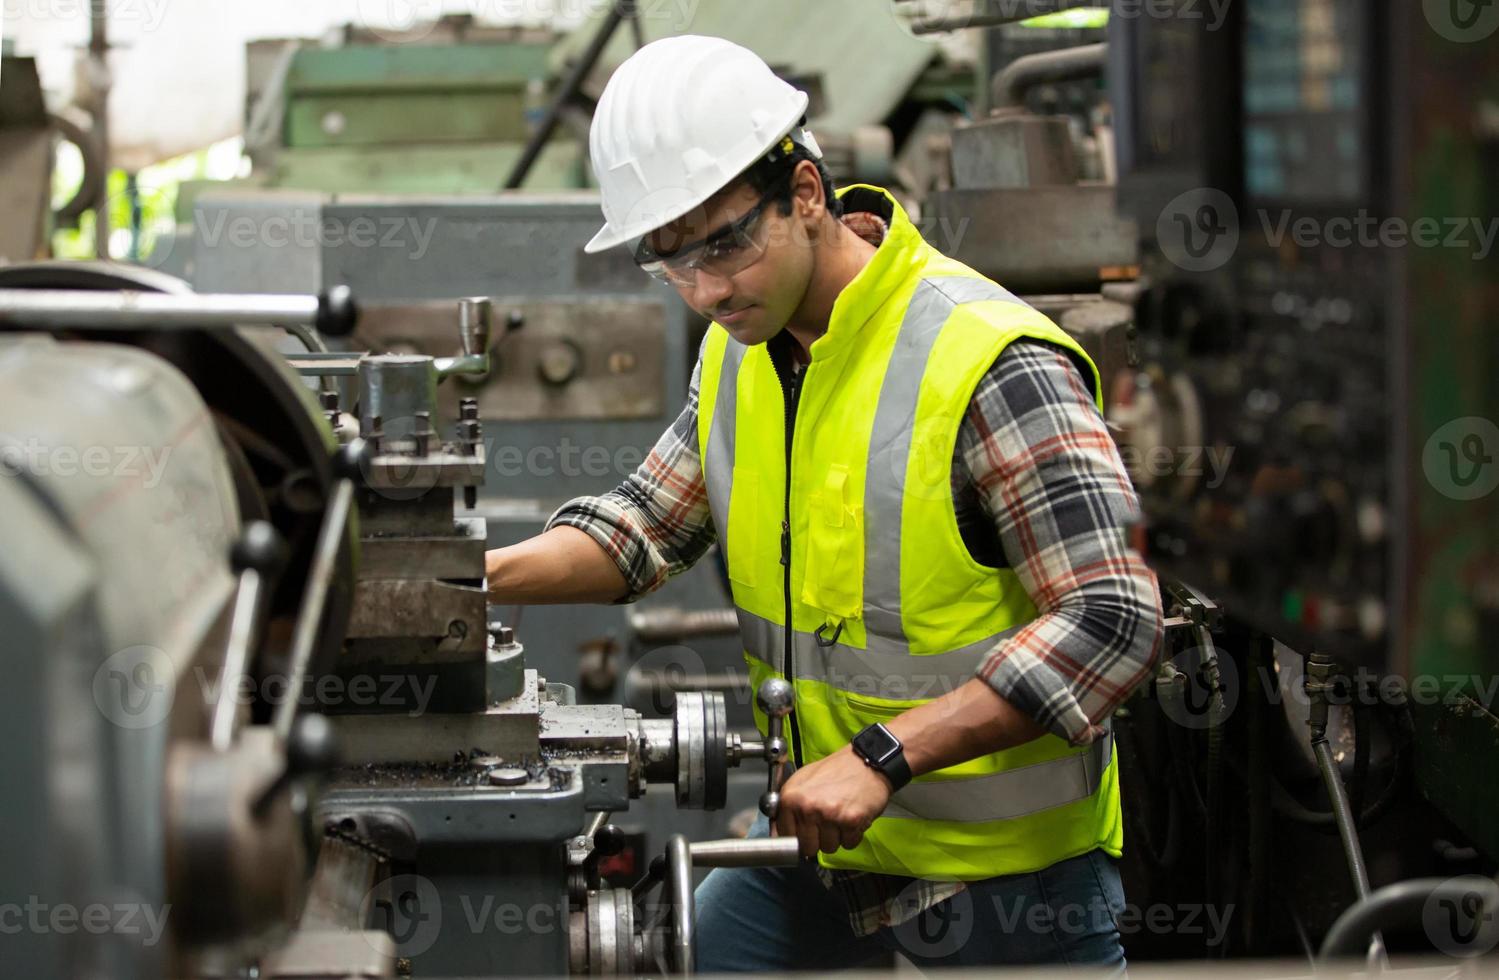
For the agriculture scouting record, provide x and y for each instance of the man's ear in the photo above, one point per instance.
(806, 190)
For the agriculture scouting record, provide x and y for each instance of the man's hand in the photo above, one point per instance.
(831, 802)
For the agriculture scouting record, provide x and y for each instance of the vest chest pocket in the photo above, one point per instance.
(833, 578)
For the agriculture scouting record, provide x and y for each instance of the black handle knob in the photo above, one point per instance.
(352, 460)
(311, 748)
(260, 547)
(609, 840)
(336, 311)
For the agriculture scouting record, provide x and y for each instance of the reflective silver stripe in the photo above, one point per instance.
(890, 439)
(1010, 794)
(718, 464)
(885, 670)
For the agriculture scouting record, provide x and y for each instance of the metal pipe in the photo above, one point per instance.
(241, 635)
(759, 852)
(995, 13)
(1011, 83)
(100, 83)
(331, 313)
(684, 911)
(319, 579)
(617, 13)
(662, 625)
(1319, 682)
(1405, 903)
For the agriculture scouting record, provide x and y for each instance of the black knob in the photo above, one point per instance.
(336, 311)
(609, 840)
(260, 547)
(514, 320)
(352, 459)
(311, 748)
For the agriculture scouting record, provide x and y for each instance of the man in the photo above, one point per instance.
(921, 514)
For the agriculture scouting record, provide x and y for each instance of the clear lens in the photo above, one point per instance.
(730, 252)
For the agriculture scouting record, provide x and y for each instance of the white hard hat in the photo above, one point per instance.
(679, 120)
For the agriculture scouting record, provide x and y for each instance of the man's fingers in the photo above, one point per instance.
(829, 838)
(851, 836)
(784, 825)
(807, 833)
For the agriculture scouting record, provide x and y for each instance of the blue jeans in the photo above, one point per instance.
(763, 920)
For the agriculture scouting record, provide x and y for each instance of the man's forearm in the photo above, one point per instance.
(964, 724)
(560, 565)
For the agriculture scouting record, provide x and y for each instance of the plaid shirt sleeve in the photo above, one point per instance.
(1049, 477)
(656, 524)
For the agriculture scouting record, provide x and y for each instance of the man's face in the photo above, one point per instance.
(754, 303)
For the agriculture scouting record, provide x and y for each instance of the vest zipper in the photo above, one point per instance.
(791, 394)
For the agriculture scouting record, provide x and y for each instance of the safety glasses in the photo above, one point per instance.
(727, 251)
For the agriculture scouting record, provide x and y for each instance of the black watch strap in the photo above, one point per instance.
(882, 751)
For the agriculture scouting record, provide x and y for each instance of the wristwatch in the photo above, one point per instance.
(881, 751)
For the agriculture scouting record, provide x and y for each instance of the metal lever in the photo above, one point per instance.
(475, 324)
(776, 699)
(348, 464)
(332, 312)
(255, 556)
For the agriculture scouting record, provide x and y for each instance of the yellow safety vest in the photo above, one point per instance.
(887, 607)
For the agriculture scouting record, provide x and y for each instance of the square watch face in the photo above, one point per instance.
(876, 744)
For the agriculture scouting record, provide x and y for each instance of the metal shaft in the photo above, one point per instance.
(319, 578)
(127, 309)
(684, 911)
(241, 635)
(760, 852)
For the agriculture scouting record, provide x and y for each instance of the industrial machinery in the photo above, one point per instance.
(1305, 405)
(261, 647)
(1310, 428)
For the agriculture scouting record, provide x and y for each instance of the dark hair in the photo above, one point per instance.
(774, 170)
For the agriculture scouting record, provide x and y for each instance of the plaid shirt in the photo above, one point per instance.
(1039, 488)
